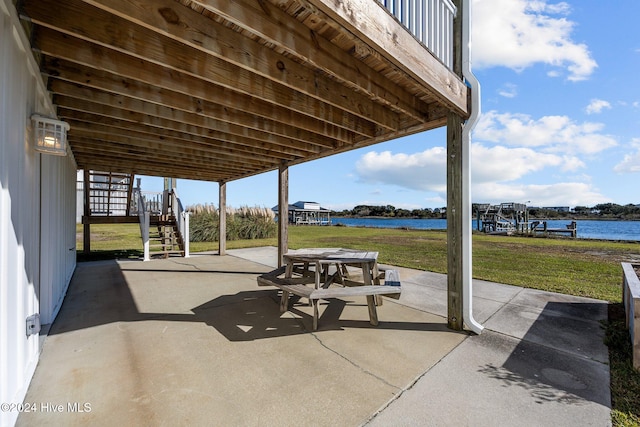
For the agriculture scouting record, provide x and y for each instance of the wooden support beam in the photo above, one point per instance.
(454, 223)
(86, 227)
(373, 24)
(456, 239)
(109, 193)
(129, 194)
(170, 183)
(222, 231)
(283, 212)
(87, 220)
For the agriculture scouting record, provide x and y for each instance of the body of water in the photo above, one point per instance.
(587, 229)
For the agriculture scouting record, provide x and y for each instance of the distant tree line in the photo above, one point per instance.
(390, 211)
(600, 211)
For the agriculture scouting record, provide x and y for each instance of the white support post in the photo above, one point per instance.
(145, 236)
(185, 233)
(467, 260)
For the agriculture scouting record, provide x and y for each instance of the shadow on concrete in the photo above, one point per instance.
(99, 294)
(255, 273)
(561, 357)
(246, 316)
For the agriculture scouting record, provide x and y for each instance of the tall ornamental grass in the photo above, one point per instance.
(244, 223)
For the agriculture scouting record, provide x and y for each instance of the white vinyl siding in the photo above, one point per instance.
(37, 215)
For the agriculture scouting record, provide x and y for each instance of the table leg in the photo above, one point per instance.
(315, 314)
(376, 274)
(284, 301)
(345, 272)
(288, 272)
(376, 281)
(366, 273)
(318, 274)
(339, 274)
(368, 280)
(373, 314)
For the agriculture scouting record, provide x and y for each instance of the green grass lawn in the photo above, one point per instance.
(589, 268)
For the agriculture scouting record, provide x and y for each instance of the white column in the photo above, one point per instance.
(185, 233)
(145, 236)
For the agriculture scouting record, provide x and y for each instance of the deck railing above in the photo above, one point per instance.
(151, 201)
(430, 21)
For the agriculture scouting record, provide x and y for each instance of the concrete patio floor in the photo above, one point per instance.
(195, 341)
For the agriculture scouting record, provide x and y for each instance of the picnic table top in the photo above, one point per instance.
(330, 255)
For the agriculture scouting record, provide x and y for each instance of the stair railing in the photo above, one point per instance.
(143, 216)
(182, 218)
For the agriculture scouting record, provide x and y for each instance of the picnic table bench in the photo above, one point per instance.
(305, 286)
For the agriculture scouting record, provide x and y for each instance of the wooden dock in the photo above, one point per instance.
(513, 218)
(570, 229)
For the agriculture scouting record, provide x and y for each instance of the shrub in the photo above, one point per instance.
(243, 223)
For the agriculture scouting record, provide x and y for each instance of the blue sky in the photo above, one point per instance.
(560, 123)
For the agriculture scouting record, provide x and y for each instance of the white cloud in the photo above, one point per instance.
(572, 164)
(597, 105)
(519, 33)
(631, 161)
(419, 171)
(558, 194)
(553, 134)
(508, 90)
(427, 170)
(499, 164)
(495, 173)
(437, 201)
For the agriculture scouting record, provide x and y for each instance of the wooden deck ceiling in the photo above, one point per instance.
(218, 90)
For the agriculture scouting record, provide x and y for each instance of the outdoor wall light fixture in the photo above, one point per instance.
(50, 135)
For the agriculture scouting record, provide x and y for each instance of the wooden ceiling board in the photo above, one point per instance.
(219, 90)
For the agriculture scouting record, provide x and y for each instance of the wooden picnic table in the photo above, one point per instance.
(323, 258)
(298, 262)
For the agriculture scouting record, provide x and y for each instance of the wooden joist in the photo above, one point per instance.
(255, 85)
(133, 95)
(110, 220)
(195, 40)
